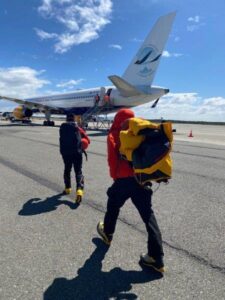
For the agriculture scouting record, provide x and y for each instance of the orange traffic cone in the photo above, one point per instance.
(190, 134)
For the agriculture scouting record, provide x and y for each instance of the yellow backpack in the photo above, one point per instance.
(148, 145)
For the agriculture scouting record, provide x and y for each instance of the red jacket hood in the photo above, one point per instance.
(118, 168)
(122, 115)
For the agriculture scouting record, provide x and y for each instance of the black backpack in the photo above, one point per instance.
(70, 139)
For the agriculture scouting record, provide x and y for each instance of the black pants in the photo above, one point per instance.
(76, 162)
(118, 193)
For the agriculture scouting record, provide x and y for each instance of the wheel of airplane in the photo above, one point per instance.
(48, 123)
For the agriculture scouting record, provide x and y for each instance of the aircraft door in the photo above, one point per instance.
(108, 97)
(102, 94)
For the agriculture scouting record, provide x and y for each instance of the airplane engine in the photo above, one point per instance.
(22, 112)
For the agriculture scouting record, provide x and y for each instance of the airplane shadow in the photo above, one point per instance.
(36, 206)
(92, 283)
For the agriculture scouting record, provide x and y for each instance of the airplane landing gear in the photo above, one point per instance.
(26, 121)
(48, 123)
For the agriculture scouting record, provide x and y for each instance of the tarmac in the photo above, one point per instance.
(49, 248)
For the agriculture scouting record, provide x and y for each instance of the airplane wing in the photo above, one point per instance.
(29, 103)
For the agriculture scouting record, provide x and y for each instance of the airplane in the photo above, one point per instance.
(132, 89)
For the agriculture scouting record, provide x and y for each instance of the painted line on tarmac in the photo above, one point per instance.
(198, 155)
(187, 173)
(56, 187)
(104, 155)
(50, 144)
(201, 147)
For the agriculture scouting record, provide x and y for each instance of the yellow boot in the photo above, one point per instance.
(67, 191)
(79, 195)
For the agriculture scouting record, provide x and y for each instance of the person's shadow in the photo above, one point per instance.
(36, 206)
(92, 283)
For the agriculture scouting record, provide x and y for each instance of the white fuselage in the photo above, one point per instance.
(86, 98)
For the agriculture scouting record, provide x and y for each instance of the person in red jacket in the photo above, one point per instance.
(124, 187)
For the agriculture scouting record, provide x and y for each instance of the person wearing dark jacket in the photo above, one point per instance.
(124, 187)
(73, 141)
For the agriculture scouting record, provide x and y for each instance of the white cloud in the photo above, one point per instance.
(192, 28)
(70, 84)
(168, 54)
(217, 101)
(177, 54)
(45, 35)
(194, 23)
(115, 46)
(186, 107)
(136, 40)
(194, 19)
(21, 82)
(176, 39)
(82, 21)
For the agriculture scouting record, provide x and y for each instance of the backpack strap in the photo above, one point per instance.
(85, 154)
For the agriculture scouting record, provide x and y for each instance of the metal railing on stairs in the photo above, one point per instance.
(91, 118)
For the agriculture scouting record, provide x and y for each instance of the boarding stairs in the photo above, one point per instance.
(91, 118)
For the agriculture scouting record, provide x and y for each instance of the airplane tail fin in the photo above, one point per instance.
(142, 68)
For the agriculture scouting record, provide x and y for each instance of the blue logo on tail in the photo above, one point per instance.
(145, 57)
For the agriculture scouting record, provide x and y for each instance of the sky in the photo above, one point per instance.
(54, 46)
